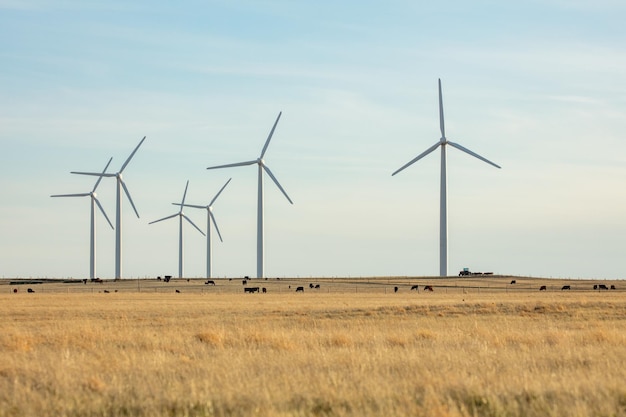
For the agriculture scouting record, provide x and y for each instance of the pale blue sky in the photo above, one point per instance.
(538, 87)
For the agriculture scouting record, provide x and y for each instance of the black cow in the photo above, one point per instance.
(317, 286)
(300, 289)
(602, 287)
(209, 282)
(566, 287)
(595, 287)
(311, 286)
(30, 290)
(251, 289)
(177, 291)
(513, 282)
(612, 287)
(543, 288)
(415, 287)
(264, 290)
(244, 282)
(428, 288)
(395, 289)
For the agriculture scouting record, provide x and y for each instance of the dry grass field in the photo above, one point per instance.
(472, 347)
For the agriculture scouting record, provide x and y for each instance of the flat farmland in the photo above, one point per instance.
(352, 347)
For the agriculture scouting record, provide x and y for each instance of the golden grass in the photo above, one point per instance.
(314, 354)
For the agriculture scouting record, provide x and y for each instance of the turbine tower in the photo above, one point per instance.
(180, 216)
(210, 217)
(443, 212)
(94, 202)
(260, 272)
(118, 208)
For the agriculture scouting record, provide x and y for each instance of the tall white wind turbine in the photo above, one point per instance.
(118, 208)
(180, 216)
(94, 202)
(209, 217)
(443, 212)
(260, 272)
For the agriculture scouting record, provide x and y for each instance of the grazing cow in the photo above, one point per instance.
(395, 289)
(251, 289)
(177, 291)
(244, 282)
(209, 282)
(264, 290)
(158, 278)
(602, 287)
(300, 289)
(543, 288)
(595, 287)
(106, 291)
(612, 287)
(415, 287)
(317, 286)
(14, 290)
(30, 290)
(311, 285)
(428, 288)
(167, 278)
(566, 287)
(513, 282)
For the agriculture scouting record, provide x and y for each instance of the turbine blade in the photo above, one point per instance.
(475, 155)
(165, 218)
(238, 164)
(128, 195)
(276, 182)
(131, 155)
(100, 178)
(71, 195)
(269, 137)
(441, 123)
(103, 212)
(216, 228)
(193, 224)
(184, 195)
(94, 174)
(189, 205)
(418, 157)
(219, 192)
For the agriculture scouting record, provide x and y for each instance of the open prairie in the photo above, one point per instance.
(477, 346)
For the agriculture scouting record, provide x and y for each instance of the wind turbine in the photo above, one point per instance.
(94, 202)
(118, 208)
(180, 216)
(443, 216)
(209, 218)
(261, 163)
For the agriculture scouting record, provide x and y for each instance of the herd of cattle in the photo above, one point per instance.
(426, 288)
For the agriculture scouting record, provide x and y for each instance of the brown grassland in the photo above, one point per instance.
(472, 347)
